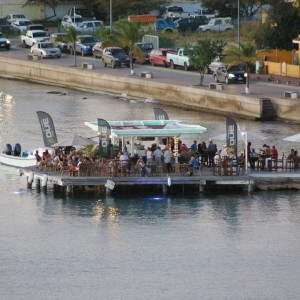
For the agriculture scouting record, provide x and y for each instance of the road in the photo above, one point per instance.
(259, 86)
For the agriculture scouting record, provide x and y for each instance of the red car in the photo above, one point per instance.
(158, 56)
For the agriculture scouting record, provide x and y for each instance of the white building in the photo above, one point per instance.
(33, 12)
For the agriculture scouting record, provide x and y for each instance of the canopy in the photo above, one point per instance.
(149, 128)
(75, 140)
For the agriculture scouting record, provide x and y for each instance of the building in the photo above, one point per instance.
(34, 12)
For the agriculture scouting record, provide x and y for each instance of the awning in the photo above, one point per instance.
(150, 128)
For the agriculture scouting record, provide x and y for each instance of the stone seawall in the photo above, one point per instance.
(187, 97)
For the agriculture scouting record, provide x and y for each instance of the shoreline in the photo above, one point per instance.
(187, 97)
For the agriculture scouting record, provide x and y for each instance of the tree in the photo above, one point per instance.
(228, 8)
(127, 35)
(281, 26)
(51, 3)
(122, 9)
(243, 54)
(70, 38)
(203, 53)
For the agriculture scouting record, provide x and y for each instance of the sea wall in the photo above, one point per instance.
(191, 97)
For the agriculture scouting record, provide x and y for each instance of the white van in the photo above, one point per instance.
(217, 24)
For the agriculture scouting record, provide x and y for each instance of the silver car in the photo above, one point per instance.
(88, 26)
(45, 50)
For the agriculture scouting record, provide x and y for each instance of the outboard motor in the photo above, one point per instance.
(8, 149)
(17, 150)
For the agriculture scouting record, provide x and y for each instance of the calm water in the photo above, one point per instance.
(224, 246)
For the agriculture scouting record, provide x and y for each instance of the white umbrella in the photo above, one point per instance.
(75, 140)
(293, 138)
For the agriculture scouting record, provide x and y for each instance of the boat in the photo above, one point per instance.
(17, 161)
(14, 157)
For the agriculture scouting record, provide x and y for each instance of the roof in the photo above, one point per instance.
(149, 128)
(296, 40)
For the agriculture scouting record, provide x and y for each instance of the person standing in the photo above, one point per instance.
(212, 150)
(167, 159)
(149, 155)
(194, 147)
(158, 154)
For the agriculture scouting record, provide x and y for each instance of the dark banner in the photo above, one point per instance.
(231, 134)
(104, 131)
(48, 130)
(160, 114)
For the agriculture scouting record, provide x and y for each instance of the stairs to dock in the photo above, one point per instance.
(268, 112)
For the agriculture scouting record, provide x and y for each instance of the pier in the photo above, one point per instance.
(206, 179)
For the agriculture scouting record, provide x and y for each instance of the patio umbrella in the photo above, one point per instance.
(75, 140)
(293, 138)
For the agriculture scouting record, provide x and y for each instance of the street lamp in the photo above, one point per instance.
(238, 21)
(110, 15)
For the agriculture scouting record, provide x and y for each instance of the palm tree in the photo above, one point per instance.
(70, 38)
(128, 34)
(243, 54)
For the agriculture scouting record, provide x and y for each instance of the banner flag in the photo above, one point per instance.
(104, 130)
(48, 130)
(160, 114)
(231, 134)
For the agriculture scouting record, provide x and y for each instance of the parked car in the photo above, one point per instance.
(69, 21)
(14, 16)
(158, 56)
(84, 45)
(21, 25)
(146, 48)
(45, 50)
(98, 50)
(84, 13)
(4, 42)
(190, 23)
(88, 26)
(58, 40)
(217, 24)
(217, 62)
(115, 56)
(35, 27)
(234, 74)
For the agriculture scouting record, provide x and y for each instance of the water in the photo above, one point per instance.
(138, 246)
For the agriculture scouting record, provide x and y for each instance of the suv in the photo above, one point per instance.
(115, 56)
(69, 21)
(88, 26)
(84, 45)
(217, 24)
(190, 23)
(35, 27)
(146, 48)
(4, 42)
(233, 74)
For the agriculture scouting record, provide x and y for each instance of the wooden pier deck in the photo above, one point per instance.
(253, 180)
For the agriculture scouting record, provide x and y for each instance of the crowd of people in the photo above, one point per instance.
(156, 159)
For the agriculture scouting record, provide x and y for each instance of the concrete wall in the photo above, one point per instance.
(188, 97)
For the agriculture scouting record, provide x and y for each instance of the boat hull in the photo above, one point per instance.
(17, 161)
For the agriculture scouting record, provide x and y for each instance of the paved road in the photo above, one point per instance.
(259, 86)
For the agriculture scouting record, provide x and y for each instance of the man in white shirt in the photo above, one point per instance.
(167, 159)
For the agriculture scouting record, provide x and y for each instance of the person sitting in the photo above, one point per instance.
(296, 159)
(253, 157)
(194, 165)
(241, 161)
(8, 149)
(17, 150)
(142, 167)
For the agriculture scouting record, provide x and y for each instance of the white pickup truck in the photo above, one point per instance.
(179, 58)
(33, 36)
